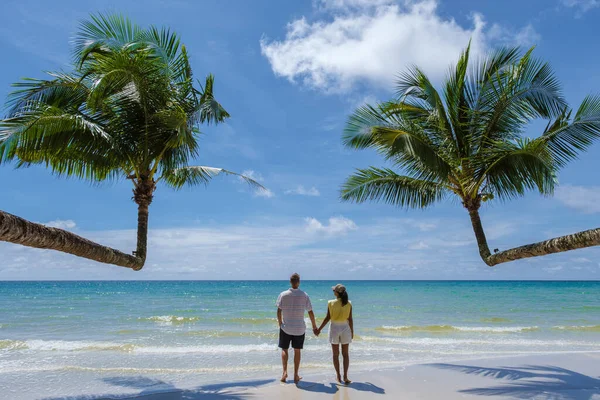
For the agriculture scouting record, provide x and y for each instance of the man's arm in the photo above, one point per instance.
(325, 321)
(279, 317)
(311, 314)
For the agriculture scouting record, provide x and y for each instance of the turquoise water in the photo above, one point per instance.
(60, 334)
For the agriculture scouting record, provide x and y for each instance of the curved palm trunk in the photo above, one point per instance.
(17, 230)
(143, 193)
(484, 250)
(559, 244)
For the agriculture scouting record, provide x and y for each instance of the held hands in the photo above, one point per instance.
(316, 331)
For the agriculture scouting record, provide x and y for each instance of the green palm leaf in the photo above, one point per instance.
(199, 175)
(374, 184)
(567, 138)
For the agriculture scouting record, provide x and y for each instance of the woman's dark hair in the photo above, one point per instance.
(344, 297)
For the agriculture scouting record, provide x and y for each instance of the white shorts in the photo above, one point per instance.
(340, 333)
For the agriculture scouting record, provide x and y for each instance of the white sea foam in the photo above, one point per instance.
(580, 328)
(170, 319)
(69, 346)
(431, 341)
(450, 328)
(209, 349)
(65, 345)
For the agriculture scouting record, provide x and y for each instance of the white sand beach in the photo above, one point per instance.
(568, 376)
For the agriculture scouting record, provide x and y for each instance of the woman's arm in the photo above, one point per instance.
(351, 322)
(325, 321)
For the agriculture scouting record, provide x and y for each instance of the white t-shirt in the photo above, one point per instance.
(293, 303)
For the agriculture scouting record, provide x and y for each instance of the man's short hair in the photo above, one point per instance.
(295, 277)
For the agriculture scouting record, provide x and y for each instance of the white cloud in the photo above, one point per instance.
(301, 191)
(423, 226)
(61, 224)
(582, 198)
(581, 260)
(500, 229)
(337, 226)
(420, 245)
(502, 35)
(264, 193)
(553, 269)
(373, 41)
(581, 5)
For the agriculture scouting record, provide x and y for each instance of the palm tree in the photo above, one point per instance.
(468, 141)
(130, 109)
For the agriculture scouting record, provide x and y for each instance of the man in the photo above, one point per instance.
(290, 315)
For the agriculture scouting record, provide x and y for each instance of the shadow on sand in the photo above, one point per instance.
(317, 387)
(531, 381)
(156, 389)
(332, 388)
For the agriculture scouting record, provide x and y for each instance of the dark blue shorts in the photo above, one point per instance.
(285, 340)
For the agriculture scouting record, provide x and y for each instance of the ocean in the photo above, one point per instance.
(62, 339)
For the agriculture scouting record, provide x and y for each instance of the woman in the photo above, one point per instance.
(341, 331)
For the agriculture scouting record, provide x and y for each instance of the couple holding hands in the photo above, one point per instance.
(291, 305)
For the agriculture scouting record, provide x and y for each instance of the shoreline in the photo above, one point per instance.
(569, 375)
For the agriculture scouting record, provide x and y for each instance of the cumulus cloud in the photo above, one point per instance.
(371, 41)
(582, 198)
(61, 224)
(337, 226)
(301, 191)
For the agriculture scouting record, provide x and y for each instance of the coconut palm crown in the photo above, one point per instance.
(130, 108)
(468, 142)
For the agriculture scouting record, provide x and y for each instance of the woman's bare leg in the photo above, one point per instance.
(346, 356)
(336, 361)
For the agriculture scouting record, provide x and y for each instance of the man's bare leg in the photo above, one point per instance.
(346, 356)
(336, 361)
(297, 357)
(284, 360)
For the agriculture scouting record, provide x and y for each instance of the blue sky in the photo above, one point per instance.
(289, 73)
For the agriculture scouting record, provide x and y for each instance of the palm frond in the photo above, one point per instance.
(375, 184)
(513, 168)
(102, 33)
(566, 138)
(65, 91)
(514, 96)
(398, 138)
(415, 85)
(197, 175)
(456, 102)
(209, 109)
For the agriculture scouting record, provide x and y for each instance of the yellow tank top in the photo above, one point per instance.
(337, 312)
